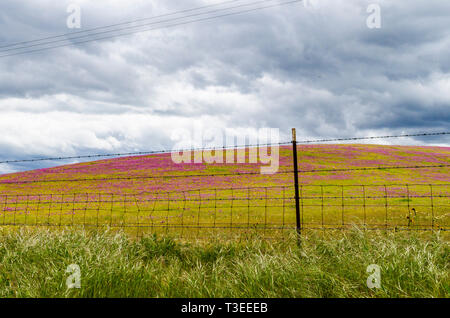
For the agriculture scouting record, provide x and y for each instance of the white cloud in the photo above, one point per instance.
(322, 71)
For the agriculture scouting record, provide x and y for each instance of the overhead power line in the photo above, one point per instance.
(117, 24)
(149, 29)
(71, 38)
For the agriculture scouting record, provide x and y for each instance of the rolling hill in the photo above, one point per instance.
(341, 185)
(116, 175)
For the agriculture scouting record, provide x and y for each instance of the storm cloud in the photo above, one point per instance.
(317, 68)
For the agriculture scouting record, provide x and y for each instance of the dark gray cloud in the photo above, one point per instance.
(321, 70)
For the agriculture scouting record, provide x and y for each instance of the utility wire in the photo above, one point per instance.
(117, 24)
(151, 29)
(134, 27)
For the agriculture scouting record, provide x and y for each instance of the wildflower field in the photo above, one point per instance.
(90, 213)
(152, 194)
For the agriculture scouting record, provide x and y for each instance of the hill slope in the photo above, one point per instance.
(152, 193)
(116, 175)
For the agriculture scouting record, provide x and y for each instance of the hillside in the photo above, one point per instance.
(115, 175)
(152, 193)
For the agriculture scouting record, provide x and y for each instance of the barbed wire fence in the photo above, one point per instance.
(270, 211)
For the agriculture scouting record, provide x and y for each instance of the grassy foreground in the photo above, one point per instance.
(33, 264)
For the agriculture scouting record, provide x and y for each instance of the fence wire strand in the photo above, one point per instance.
(268, 211)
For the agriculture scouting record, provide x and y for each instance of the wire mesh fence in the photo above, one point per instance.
(267, 211)
(271, 211)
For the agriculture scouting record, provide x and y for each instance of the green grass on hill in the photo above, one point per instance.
(33, 264)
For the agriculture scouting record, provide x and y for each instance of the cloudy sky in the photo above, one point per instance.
(317, 67)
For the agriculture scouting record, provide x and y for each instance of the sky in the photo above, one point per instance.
(314, 65)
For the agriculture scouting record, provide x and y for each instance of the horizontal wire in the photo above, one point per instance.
(221, 174)
(135, 178)
(381, 205)
(140, 201)
(281, 187)
(117, 24)
(151, 152)
(151, 29)
(215, 148)
(375, 168)
(131, 27)
(195, 209)
(374, 137)
(381, 227)
(69, 202)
